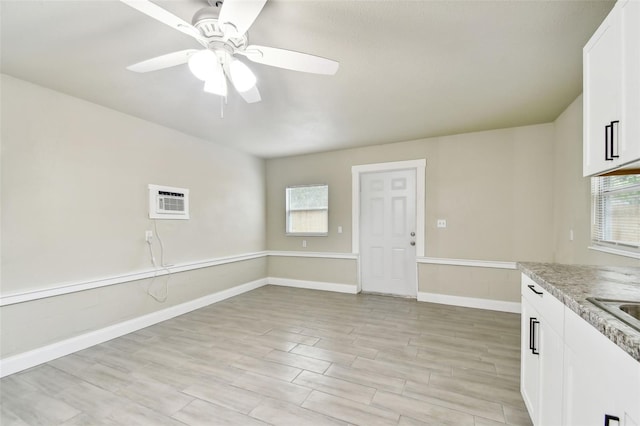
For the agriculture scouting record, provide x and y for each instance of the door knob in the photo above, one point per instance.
(413, 234)
(413, 243)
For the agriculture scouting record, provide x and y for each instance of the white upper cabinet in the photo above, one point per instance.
(612, 91)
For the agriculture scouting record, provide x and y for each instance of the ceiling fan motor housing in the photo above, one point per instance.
(206, 21)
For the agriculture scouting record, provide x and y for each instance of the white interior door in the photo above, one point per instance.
(387, 232)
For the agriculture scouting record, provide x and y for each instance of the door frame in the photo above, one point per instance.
(419, 166)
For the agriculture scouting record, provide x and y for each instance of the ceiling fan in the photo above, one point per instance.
(221, 28)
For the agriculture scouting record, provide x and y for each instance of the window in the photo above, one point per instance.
(615, 215)
(308, 210)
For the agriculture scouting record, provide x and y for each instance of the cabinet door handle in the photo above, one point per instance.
(615, 137)
(611, 139)
(608, 418)
(533, 289)
(534, 350)
(531, 333)
(608, 142)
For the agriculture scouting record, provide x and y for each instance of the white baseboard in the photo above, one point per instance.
(314, 285)
(25, 360)
(19, 362)
(470, 302)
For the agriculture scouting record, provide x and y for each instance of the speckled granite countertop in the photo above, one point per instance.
(572, 284)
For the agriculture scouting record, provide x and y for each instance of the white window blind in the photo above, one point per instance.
(615, 216)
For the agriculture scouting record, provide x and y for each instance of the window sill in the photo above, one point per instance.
(616, 251)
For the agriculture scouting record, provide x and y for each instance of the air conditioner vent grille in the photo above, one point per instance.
(171, 204)
(168, 203)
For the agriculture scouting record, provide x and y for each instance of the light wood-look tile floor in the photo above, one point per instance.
(286, 356)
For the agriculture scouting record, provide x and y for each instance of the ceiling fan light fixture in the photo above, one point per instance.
(242, 77)
(203, 63)
(216, 86)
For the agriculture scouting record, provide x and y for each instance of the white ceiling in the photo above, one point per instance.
(408, 69)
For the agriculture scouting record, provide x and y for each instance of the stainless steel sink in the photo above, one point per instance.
(632, 309)
(627, 311)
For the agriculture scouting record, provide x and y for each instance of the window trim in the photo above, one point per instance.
(287, 210)
(610, 250)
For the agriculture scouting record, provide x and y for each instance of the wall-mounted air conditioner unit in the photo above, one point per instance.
(166, 202)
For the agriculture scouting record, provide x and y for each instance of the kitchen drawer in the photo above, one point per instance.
(549, 308)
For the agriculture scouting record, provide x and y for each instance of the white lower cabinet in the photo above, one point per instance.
(551, 353)
(601, 381)
(571, 374)
(542, 351)
(529, 362)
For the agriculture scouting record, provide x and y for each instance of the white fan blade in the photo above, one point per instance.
(168, 18)
(251, 96)
(239, 15)
(290, 60)
(164, 61)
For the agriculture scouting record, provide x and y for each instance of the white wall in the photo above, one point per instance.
(74, 209)
(493, 188)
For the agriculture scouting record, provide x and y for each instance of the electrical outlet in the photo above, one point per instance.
(441, 223)
(304, 243)
(148, 235)
(339, 229)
